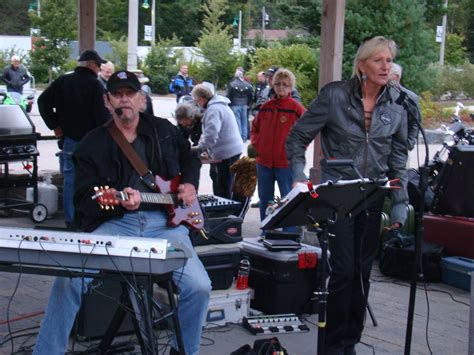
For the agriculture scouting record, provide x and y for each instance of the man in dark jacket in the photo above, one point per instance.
(15, 75)
(181, 84)
(100, 161)
(240, 94)
(72, 106)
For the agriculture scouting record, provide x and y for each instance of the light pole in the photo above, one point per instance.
(146, 6)
(443, 38)
(132, 35)
(35, 7)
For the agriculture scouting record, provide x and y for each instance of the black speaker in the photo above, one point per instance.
(98, 307)
(454, 193)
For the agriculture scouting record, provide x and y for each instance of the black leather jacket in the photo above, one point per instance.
(75, 103)
(240, 93)
(339, 115)
(99, 161)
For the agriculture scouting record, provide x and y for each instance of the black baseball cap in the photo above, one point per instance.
(121, 79)
(91, 55)
(272, 70)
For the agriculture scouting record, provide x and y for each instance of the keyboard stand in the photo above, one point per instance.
(136, 297)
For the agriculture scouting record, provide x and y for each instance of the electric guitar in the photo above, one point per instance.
(190, 215)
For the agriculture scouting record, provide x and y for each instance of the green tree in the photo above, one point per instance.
(112, 19)
(455, 52)
(405, 22)
(14, 17)
(301, 59)
(120, 52)
(470, 32)
(215, 42)
(47, 56)
(160, 64)
(57, 26)
(58, 19)
(180, 18)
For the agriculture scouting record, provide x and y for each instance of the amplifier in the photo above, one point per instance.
(277, 323)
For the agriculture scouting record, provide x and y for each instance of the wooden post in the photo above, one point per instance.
(87, 25)
(330, 62)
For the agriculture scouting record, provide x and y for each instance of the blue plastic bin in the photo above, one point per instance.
(455, 271)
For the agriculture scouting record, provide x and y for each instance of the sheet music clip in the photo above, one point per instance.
(311, 190)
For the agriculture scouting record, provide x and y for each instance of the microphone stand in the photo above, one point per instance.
(412, 109)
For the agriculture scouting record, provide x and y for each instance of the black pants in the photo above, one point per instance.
(353, 250)
(222, 177)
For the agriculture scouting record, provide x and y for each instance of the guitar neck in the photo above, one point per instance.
(158, 198)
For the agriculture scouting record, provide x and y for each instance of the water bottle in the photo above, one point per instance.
(243, 274)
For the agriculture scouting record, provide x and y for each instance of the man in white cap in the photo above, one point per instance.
(15, 75)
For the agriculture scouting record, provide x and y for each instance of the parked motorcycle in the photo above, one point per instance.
(455, 134)
(15, 98)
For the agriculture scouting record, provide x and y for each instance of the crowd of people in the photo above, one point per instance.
(358, 119)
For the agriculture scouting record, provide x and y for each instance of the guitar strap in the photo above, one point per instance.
(132, 156)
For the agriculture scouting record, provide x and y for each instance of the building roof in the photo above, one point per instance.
(271, 35)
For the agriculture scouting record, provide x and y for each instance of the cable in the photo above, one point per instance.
(11, 338)
(10, 300)
(25, 316)
(369, 346)
(427, 317)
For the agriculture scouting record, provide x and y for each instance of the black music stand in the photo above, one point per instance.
(320, 206)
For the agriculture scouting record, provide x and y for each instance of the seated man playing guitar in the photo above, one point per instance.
(100, 161)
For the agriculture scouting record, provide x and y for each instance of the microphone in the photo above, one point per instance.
(118, 111)
(402, 94)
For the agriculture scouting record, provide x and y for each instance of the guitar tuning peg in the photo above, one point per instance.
(106, 187)
(101, 207)
(107, 207)
(96, 188)
(112, 207)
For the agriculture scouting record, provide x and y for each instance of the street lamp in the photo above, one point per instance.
(35, 7)
(146, 6)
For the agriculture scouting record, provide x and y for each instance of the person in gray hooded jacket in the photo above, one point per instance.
(220, 139)
(359, 120)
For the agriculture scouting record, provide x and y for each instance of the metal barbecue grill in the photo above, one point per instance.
(18, 146)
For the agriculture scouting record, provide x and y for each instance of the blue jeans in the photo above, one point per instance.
(192, 281)
(69, 176)
(242, 118)
(222, 178)
(266, 178)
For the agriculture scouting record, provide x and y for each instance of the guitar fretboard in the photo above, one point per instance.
(151, 197)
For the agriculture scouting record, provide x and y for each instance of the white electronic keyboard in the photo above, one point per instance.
(84, 251)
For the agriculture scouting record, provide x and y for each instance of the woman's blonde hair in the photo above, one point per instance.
(369, 48)
(282, 74)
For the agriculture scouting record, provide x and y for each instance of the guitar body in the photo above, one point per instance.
(191, 215)
(166, 194)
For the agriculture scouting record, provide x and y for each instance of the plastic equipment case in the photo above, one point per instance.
(221, 262)
(455, 271)
(283, 281)
(228, 306)
(456, 234)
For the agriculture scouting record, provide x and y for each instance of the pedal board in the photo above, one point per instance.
(272, 324)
